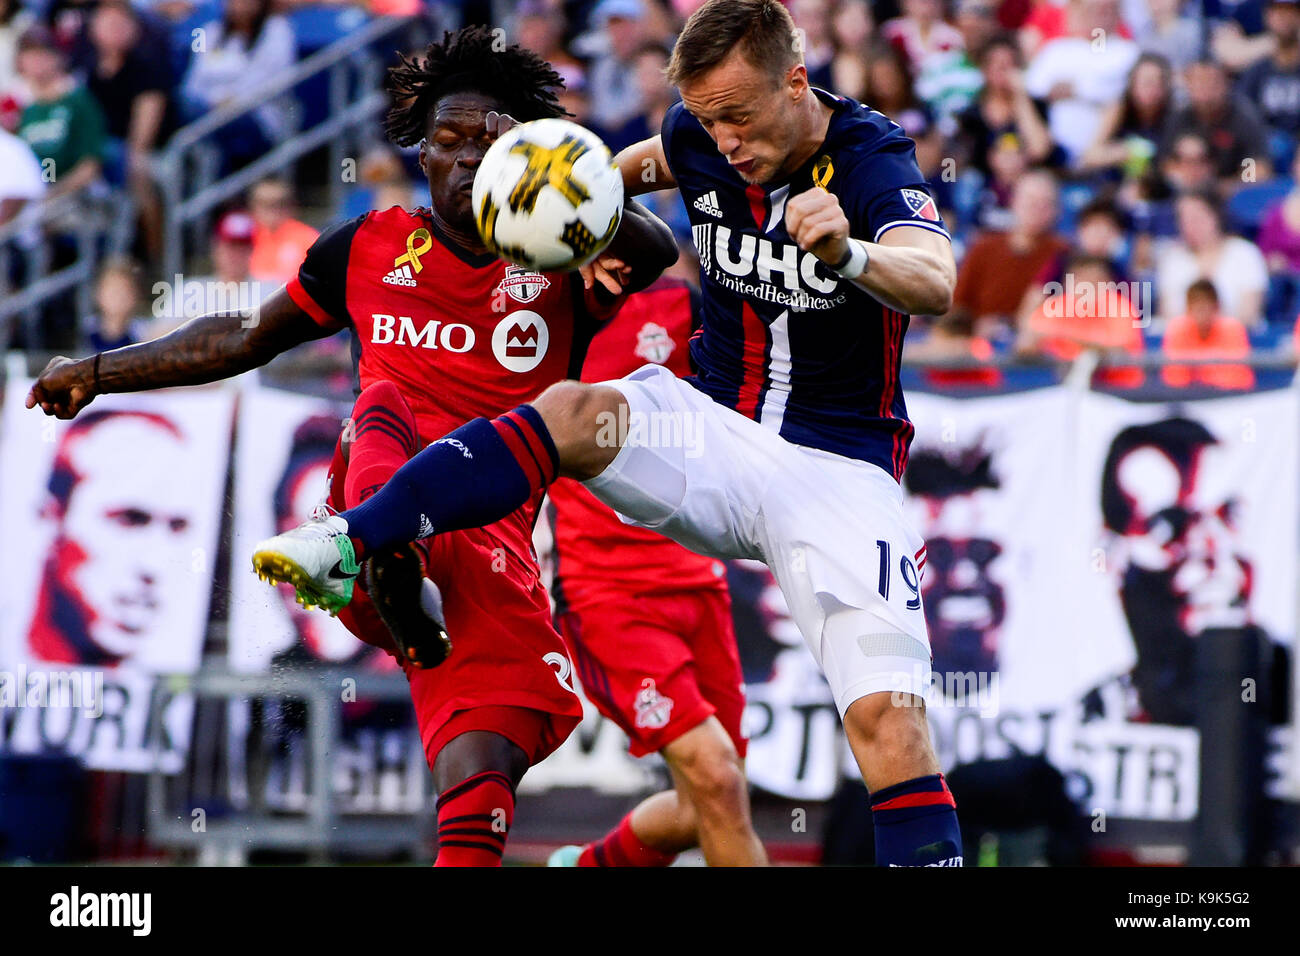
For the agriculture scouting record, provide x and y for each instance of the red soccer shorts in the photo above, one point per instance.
(659, 665)
(508, 670)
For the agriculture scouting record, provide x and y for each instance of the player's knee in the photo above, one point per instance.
(574, 413)
(715, 778)
(889, 725)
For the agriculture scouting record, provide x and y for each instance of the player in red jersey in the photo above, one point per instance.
(649, 626)
(443, 332)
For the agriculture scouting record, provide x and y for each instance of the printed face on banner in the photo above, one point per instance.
(118, 512)
(965, 600)
(123, 536)
(285, 453)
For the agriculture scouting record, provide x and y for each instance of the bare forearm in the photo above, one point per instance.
(209, 348)
(205, 349)
(909, 279)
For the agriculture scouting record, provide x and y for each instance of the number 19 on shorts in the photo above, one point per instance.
(906, 567)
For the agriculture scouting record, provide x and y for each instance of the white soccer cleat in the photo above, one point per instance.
(565, 856)
(317, 558)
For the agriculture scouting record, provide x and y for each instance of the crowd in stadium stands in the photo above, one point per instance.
(1120, 175)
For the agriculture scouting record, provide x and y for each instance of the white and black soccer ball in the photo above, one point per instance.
(548, 196)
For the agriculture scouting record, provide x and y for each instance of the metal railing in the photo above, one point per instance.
(187, 170)
(94, 224)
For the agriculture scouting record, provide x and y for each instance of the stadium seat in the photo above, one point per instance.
(1249, 204)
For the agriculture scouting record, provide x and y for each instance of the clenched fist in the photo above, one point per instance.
(64, 388)
(818, 225)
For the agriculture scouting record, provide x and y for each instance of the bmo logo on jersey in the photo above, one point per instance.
(434, 334)
(519, 341)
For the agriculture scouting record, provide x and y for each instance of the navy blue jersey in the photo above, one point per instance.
(783, 339)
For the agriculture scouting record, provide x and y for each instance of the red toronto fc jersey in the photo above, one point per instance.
(461, 336)
(595, 551)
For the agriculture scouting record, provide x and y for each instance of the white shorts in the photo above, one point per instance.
(832, 529)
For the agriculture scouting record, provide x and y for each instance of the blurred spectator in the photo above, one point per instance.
(1203, 250)
(1273, 84)
(612, 85)
(1230, 125)
(1189, 164)
(1081, 75)
(950, 80)
(1279, 240)
(654, 95)
(1003, 107)
(1169, 34)
(381, 184)
(1130, 131)
(852, 27)
(1090, 309)
(889, 90)
(14, 21)
(117, 322)
(20, 176)
(247, 47)
(812, 17)
(279, 241)
(1203, 333)
(1007, 163)
(63, 124)
(542, 30)
(920, 31)
(1000, 266)
(1100, 233)
(133, 91)
(1238, 39)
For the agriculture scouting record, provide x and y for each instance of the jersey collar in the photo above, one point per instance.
(475, 260)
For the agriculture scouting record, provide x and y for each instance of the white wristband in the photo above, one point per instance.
(857, 262)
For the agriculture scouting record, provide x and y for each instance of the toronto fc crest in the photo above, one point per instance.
(652, 708)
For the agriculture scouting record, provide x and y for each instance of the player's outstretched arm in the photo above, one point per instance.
(910, 269)
(205, 349)
(644, 167)
(641, 250)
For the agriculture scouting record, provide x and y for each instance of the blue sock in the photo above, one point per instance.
(472, 477)
(916, 824)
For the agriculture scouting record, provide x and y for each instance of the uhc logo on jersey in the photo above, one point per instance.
(522, 285)
(520, 340)
(921, 204)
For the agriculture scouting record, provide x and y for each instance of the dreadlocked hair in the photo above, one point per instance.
(469, 59)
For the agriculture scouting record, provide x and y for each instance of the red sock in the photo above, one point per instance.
(622, 847)
(384, 437)
(473, 820)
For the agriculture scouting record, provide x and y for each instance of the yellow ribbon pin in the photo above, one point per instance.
(822, 172)
(413, 252)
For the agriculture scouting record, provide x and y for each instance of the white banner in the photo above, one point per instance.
(1060, 627)
(118, 513)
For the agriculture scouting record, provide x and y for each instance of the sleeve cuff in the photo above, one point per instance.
(309, 305)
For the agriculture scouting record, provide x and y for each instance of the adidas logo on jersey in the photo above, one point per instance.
(708, 203)
(400, 276)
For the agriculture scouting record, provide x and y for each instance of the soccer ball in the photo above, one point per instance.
(548, 196)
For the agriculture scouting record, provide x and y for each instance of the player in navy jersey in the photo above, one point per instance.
(443, 332)
(817, 239)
